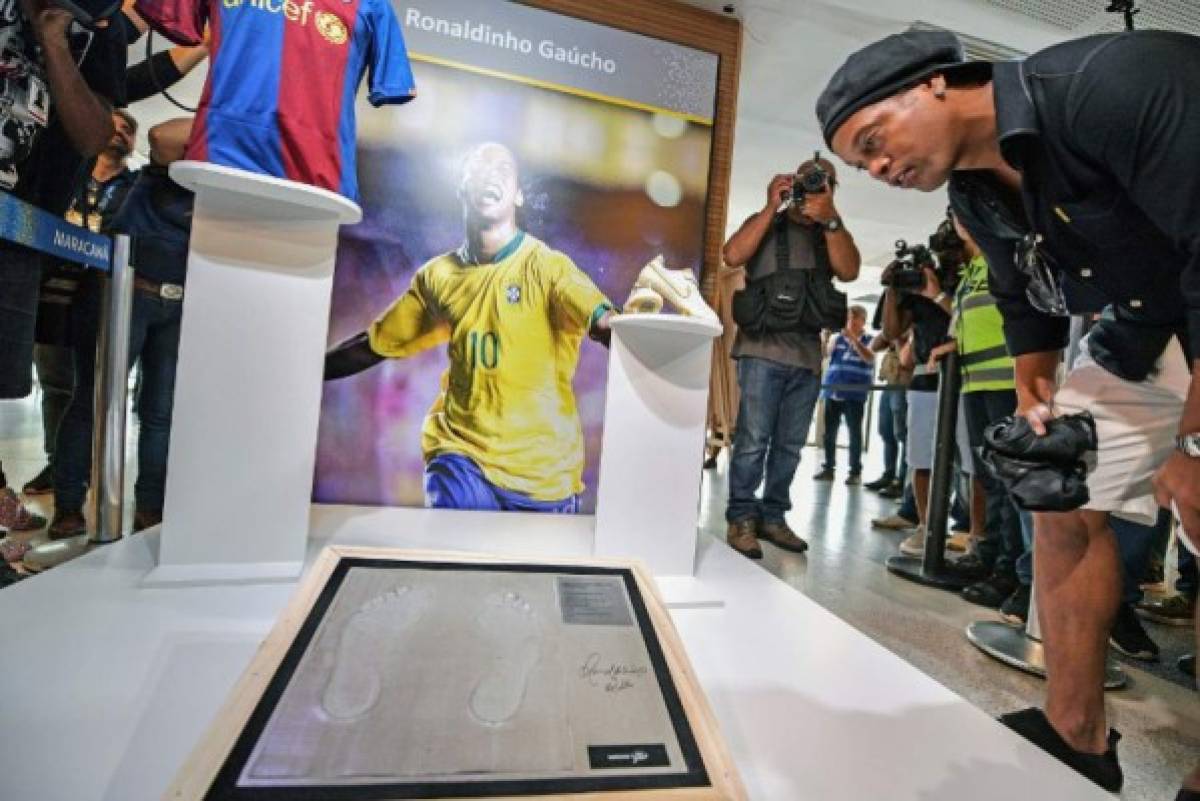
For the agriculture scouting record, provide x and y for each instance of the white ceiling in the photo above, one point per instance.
(790, 49)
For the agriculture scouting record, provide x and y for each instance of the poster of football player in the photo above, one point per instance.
(508, 212)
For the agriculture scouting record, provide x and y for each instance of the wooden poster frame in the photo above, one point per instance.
(199, 774)
(703, 30)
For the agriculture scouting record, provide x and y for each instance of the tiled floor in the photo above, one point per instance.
(843, 571)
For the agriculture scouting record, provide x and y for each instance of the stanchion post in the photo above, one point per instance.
(112, 378)
(932, 570)
(945, 427)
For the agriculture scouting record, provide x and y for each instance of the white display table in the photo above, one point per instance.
(248, 386)
(110, 684)
(652, 450)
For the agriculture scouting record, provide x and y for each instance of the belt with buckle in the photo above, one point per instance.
(164, 291)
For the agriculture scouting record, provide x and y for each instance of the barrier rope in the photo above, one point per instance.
(39, 230)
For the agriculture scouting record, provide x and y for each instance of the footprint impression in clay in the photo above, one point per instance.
(511, 626)
(369, 642)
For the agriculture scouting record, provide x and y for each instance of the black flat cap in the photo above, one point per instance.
(882, 69)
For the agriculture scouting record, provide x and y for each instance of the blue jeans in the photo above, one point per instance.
(773, 419)
(893, 403)
(154, 339)
(852, 411)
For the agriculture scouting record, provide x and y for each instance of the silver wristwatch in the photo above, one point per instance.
(1189, 444)
(834, 225)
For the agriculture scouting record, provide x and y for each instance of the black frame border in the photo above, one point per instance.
(225, 787)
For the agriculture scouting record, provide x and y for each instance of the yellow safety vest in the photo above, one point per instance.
(979, 329)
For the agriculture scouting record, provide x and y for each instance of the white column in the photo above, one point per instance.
(652, 451)
(248, 384)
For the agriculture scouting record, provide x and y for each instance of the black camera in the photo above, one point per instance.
(947, 245)
(811, 179)
(907, 272)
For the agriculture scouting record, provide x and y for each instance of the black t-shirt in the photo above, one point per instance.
(931, 324)
(38, 163)
(97, 203)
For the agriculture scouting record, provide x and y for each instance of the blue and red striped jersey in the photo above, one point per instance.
(279, 99)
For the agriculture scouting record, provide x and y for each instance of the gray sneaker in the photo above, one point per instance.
(893, 523)
(915, 544)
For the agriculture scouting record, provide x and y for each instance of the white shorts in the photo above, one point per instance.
(922, 411)
(1136, 424)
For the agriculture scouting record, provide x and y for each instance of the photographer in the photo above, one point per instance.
(916, 302)
(798, 229)
(60, 84)
(1001, 552)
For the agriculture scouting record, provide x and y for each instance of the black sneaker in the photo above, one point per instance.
(893, 490)
(1128, 636)
(41, 484)
(879, 483)
(1103, 769)
(992, 591)
(1175, 610)
(969, 568)
(826, 474)
(1015, 608)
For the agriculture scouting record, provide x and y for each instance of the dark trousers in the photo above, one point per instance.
(772, 426)
(154, 339)
(893, 409)
(56, 376)
(1135, 544)
(1002, 544)
(852, 411)
(20, 280)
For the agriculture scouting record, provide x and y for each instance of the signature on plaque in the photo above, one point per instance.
(614, 677)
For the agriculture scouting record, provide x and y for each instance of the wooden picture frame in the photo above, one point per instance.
(703, 30)
(258, 691)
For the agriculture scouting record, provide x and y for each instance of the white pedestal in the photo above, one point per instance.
(647, 505)
(248, 385)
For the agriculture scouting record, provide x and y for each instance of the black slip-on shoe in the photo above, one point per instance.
(1130, 638)
(1103, 769)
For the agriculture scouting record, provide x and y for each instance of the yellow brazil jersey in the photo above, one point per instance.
(514, 328)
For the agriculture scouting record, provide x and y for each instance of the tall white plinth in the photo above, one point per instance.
(647, 504)
(248, 385)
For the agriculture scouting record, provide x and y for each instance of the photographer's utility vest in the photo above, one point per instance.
(979, 330)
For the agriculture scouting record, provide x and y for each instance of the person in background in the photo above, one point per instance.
(157, 216)
(893, 409)
(94, 207)
(46, 138)
(851, 364)
(779, 372)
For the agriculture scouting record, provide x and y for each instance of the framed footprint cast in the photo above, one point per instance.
(401, 674)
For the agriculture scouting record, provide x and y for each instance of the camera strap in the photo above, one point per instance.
(783, 260)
